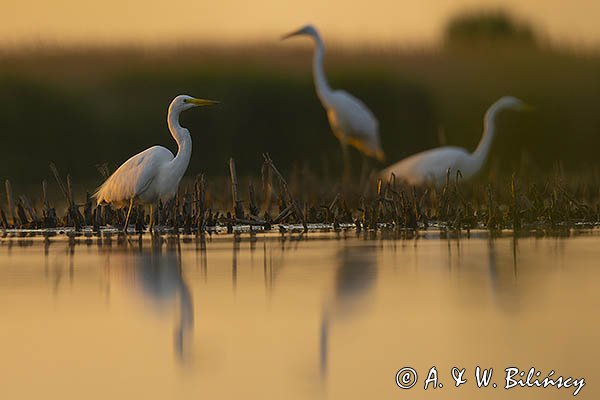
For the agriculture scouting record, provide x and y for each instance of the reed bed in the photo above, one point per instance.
(302, 201)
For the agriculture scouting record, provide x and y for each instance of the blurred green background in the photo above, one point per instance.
(81, 107)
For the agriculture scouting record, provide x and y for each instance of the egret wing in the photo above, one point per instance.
(352, 118)
(437, 161)
(429, 165)
(134, 176)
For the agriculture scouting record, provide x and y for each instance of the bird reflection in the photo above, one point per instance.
(503, 276)
(354, 279)
(161, 280)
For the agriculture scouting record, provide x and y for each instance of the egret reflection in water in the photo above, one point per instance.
(161, 279)
(503, 276)
(355, 277)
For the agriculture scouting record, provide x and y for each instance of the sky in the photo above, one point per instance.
(385, 22)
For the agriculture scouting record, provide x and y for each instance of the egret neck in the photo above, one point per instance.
(321, 84)
(485, 144)
(184, 143)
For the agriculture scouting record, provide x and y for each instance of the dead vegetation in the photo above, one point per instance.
(517, 203)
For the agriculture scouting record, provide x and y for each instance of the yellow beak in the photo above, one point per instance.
(289, 35)
(201, 102)
(292, 34)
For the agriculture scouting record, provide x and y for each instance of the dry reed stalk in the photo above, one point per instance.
(291, 198)
(237, 204)
(9, 202)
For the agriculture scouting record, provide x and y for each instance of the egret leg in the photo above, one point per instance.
(128, 215)
(365, 170)
(151, 227)
(346, 157)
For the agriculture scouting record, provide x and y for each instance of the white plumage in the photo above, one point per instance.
(351, 120)
(353, 123)
(155, 173)
(432, 166)
(140, 177)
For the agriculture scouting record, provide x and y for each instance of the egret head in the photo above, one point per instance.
(506, 103)
(305, 30)
(512, 103)
(185, 102)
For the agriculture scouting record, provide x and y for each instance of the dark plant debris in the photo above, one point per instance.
(518, 204)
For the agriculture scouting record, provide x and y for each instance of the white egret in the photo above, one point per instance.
(350, 119)
(431, 166)
(154, 174)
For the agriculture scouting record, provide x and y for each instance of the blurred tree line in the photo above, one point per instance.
(84, 107)
(487, 27)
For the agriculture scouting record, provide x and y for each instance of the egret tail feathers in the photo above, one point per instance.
(367, 149)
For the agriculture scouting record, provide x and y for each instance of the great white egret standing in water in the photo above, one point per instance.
(154, 174)
(350, 119)
(431, 166)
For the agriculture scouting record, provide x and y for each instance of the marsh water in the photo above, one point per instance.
(322, 315)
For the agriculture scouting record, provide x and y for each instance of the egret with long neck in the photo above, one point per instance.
(155, 173)
(432, 166)
(350, 119)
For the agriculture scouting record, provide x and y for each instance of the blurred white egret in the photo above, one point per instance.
(350, 119)
(154, 174)
(431, 166)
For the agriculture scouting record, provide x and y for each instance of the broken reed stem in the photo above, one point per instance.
(59, 181)
(252, 200)
(70, 191)
(201, 203)
(49, 219)
(291, 198)
(9, 202)
(267, 183)
(73, 211)
(237, 205)
(515, 206)
(3, 221)
(45, 199)
(26, 204)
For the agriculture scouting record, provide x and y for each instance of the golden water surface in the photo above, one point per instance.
(318, 316)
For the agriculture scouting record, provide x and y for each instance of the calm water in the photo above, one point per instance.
(332, 317)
